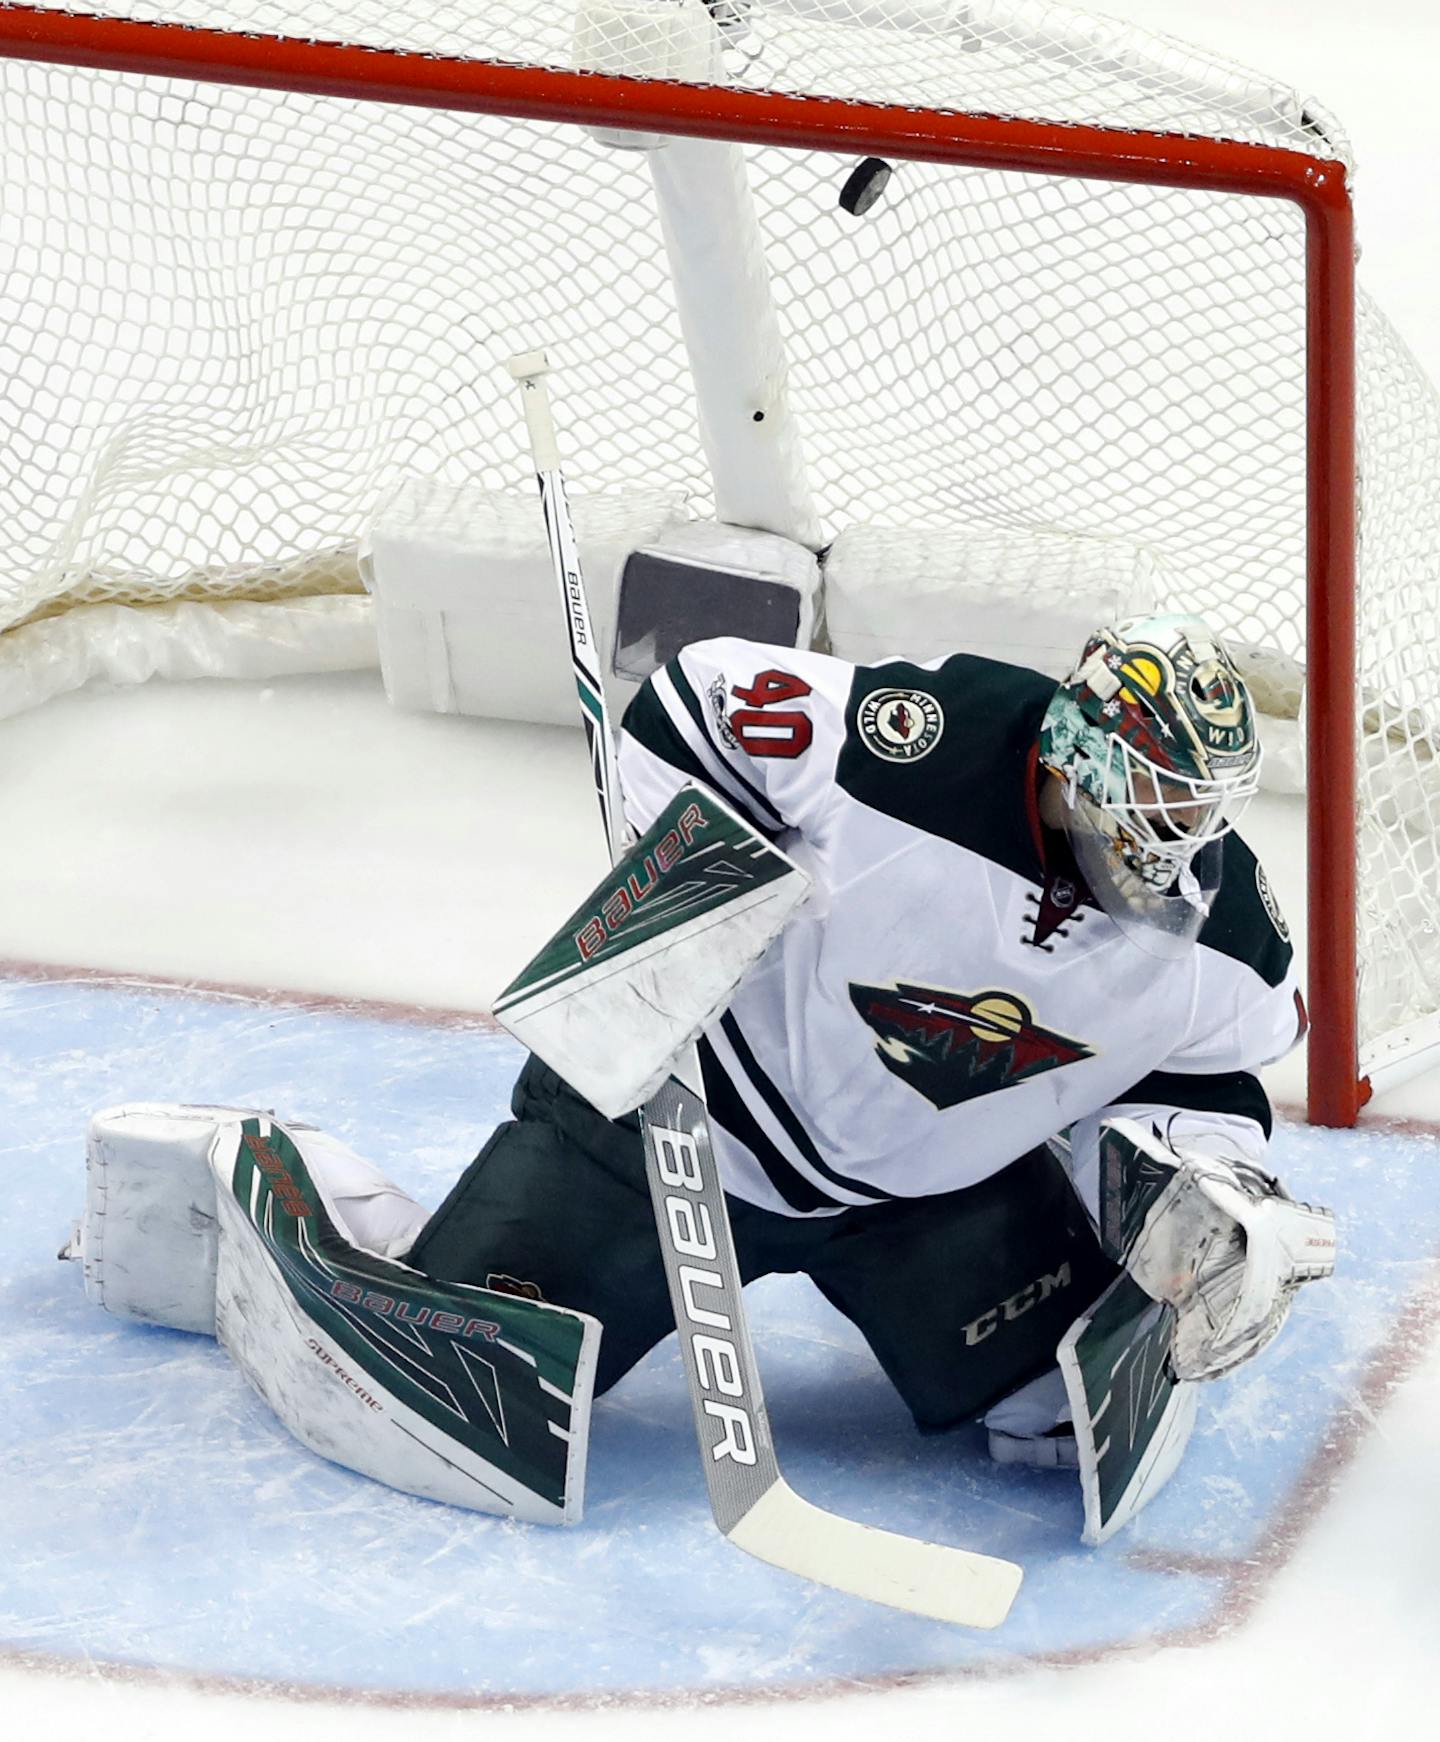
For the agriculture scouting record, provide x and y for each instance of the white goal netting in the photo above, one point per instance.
(233, 317)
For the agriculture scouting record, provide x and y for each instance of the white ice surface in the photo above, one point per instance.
(421, 860)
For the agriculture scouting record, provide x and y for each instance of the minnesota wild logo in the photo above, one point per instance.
(956, 1046)
(900, 725)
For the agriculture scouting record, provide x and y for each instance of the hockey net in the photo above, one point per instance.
(236, 315)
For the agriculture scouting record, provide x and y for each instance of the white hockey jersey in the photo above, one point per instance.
(949, 998)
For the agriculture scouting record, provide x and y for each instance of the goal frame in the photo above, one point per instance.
(1336, 1090)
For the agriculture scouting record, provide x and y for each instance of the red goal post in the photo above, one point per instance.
(799, 122)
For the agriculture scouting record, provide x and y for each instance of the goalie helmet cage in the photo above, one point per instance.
(269, 255)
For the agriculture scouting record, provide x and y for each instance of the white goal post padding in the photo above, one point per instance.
(1028, 597)
(468, 617)
(466, 607)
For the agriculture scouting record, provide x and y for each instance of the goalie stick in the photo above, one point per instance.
(752, 1503)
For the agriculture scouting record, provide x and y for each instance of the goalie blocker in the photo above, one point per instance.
(655, 952)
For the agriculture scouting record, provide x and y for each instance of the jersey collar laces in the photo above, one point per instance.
(1153, 740)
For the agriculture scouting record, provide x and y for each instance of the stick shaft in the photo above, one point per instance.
(684, 1180)
(530, 371)
(751, 1501)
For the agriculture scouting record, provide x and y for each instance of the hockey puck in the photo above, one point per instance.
(864, 185)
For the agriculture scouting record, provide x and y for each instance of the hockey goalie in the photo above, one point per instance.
(992, 1087)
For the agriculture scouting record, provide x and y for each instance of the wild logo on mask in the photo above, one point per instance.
(955, 1046)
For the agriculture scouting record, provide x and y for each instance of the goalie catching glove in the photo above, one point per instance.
(1212, 1235)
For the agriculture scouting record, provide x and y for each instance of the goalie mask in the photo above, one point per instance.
(1153, 736)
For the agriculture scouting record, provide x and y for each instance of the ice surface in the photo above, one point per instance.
(156, 1514)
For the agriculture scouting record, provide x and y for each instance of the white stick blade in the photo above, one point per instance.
(924, 1578)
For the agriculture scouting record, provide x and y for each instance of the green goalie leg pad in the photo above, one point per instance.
(444, 1390)
(1133, 1418)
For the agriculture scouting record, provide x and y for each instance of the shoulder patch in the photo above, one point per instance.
(719, 701)
(1245, 922)
(900, 725)
(947, 748)
(1272, 906)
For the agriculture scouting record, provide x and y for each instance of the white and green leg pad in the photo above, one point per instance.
(148, 1237)
(1133, 1418)
(454, 1393)
(285, 1244)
